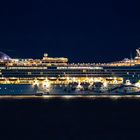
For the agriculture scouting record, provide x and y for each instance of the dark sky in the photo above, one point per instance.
(83, 31)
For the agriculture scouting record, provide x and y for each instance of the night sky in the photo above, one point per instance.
(83, 31)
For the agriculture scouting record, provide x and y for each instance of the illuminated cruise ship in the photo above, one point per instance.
(56, 76)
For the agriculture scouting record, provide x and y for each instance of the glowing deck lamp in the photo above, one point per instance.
(128, 82)
(137, 84)
(105, 84)
(46, 84)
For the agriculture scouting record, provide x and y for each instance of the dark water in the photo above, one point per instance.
(74, 119)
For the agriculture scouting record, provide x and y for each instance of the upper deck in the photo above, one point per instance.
(61, 61)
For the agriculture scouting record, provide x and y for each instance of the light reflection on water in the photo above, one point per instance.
(71, 97)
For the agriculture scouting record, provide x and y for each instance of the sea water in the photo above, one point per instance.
(72, 118)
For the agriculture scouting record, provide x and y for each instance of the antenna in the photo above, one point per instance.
(131, 57)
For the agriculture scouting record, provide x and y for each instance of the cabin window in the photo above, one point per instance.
(41, 73)
(29, 73)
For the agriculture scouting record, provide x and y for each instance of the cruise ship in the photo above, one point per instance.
(56, 76)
